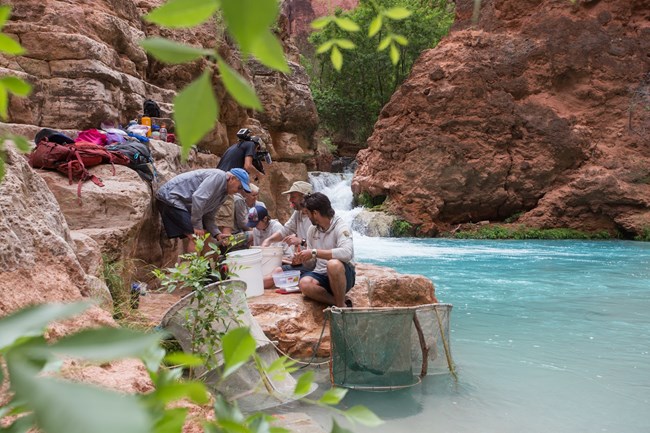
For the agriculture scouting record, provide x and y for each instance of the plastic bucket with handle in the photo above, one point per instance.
(271, 258)
(247, 265)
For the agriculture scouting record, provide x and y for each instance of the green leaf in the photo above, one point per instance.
(10, 46)
(5, 13)
(269, 51)
(326, 46)
(21, 144)
(195, 391)
(105, 344)
(153, 357)
(321, 23)
(24, 424)
(172, 421)
(280, 364)
(16, 86)
(232, 426)
(31, 321)
(375, 26)
(238, 87)
(394, 54)
(336, 428)
(397, 13)
(249, 20)
(4, 103)
(337, 58)
(238, 347)
(223, 410)
(362, 415)
(73, 407)
(303, 384)
(195, 111)
(346, 44)
(333, 396)
(347, 24)
(184, 359)
(400, 40)
(168, 51)
(384, 43)
(182, 13)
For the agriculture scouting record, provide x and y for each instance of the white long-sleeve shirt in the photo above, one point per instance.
(338, 238)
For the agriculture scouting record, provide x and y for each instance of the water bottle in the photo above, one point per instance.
(163, 132)
(145, 120)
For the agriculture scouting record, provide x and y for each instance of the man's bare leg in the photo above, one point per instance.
(311, 289)
(336, 275)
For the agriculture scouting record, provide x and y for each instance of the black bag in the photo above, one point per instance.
(139, 156)
(150, 108)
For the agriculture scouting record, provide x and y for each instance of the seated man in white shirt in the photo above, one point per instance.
(329, 244)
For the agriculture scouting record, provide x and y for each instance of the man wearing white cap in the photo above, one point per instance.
(189, 202)
(295, 229)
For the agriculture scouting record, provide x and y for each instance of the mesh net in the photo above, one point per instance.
(258, 392)
(388, 348)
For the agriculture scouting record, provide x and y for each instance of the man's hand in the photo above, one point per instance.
(292, 240)
(199, 232)
(223, 239)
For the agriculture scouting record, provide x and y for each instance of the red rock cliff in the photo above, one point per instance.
(541, 108)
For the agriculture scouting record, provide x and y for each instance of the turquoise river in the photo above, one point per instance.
(547, 337)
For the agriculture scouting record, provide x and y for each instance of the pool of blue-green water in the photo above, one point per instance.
(546, 336)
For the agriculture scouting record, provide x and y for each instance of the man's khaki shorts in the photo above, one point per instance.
(226, 214)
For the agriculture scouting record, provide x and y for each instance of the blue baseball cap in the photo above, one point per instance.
(255, 215)
(242, 175)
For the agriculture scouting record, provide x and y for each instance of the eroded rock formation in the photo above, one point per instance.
(86, 66)
(538, 110)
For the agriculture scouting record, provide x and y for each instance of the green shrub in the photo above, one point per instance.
(115, 274)
(644, 235)
(349, 101)
(401, 229)
(522, 232)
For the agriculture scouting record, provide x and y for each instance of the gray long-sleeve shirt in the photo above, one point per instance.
(297, 224)
(338, 238)
(200, 192)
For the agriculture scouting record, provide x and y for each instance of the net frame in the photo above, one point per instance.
(363, 363)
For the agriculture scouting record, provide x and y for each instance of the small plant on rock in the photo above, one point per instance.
(195, 271)
(401, 229)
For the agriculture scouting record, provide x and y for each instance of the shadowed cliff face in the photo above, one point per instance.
(541, 109)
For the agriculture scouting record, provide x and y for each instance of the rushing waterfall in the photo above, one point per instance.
(336, 186)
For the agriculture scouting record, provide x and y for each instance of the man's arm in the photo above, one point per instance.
(250, 168)
(275, 237)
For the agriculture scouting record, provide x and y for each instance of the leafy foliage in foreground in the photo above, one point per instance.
(349, 99)
(523, 232)
(53, 405)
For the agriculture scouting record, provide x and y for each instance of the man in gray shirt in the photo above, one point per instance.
(189, 202)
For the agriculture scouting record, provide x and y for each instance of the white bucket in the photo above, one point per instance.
(247, 264)
(271, 258)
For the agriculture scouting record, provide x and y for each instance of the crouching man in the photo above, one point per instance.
(329, 245)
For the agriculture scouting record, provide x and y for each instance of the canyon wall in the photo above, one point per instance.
(538, 111)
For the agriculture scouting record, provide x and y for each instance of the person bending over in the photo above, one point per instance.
(189, 202)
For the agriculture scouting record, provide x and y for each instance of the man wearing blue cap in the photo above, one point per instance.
(189, 202)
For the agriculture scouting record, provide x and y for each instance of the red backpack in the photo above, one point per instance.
(73, 160)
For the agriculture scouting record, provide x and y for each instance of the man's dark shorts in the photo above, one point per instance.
(177, 222)
(324, 281)
(303, 269)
